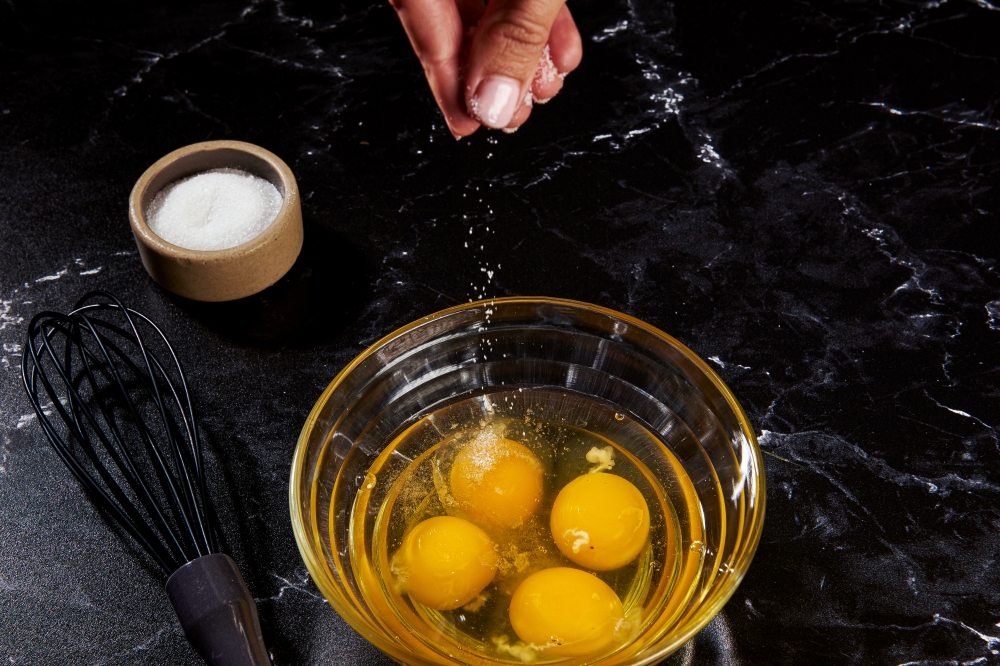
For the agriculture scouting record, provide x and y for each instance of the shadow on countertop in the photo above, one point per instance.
(326, 288)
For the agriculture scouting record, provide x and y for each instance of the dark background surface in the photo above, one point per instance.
(805, 193)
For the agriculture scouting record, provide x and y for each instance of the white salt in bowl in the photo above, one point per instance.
(233, 272)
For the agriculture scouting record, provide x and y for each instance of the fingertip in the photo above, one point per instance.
(437, 34)
(519, 119)
(445, 86)
(544, 94)
(565, 43)
(462, 127)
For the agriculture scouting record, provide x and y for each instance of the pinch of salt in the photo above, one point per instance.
(214, 209)
(546, 72)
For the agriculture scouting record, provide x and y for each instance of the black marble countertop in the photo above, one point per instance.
(804, 192)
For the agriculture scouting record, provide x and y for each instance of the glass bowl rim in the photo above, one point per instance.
(304, 537)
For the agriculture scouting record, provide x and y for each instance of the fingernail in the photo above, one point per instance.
(495, 101)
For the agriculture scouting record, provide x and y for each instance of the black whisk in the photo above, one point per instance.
(126, 429)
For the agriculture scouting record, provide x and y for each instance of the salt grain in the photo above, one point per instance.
(214, 210)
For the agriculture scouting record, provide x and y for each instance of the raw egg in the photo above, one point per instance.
(600, 521)
(496, 481)
(566, 612)
(445, 562)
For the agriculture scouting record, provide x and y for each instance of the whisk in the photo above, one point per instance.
(113, 401)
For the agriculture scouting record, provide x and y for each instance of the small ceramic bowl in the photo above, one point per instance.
(231, 273)
(491, 351)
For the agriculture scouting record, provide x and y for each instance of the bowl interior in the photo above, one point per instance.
(494, 348)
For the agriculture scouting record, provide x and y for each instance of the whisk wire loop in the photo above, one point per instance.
(130, 471)
(185, 408)
(180, 502)
(104, 385)
(179, 465)
(120, 507)
(203, 514)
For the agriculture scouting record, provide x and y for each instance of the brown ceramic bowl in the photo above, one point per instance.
(235, 272)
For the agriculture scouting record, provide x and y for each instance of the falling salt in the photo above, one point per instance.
(214, 210)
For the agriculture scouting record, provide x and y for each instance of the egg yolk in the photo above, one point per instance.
(600, 521)
(566, 612)
(445, 562)
(496, 481)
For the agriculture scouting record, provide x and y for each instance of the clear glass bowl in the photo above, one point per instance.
(542, 343)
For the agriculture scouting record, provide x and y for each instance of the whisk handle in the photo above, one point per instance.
(217, 612)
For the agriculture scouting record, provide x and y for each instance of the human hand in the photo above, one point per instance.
(487, 63)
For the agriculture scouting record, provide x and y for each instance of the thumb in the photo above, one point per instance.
(504, 55)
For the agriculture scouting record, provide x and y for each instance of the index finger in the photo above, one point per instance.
(436, 32)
